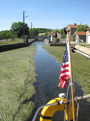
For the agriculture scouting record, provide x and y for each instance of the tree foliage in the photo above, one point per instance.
(62, 32)
(17, 29)
(7, 34)
(82, 27)
(43, 30)
(34, 32)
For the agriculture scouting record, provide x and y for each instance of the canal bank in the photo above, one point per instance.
(50, 43)
(15, 46)
(48, 70)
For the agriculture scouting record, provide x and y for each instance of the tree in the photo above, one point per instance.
(63, 36)
(56, 35)
(34, 32)
(43, 30)
(6, 34)
(62, 32)
(82, 27)
(17, 29)
(0, 37)
(46, 33)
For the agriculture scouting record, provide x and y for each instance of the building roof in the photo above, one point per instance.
(73, 26)
(56, 32)
(80, 33)
(88, 28)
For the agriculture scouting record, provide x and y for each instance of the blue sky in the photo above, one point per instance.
(53, 14)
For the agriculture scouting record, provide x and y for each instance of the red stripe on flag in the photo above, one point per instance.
(64, 74)
(62, 82)
(64, 71)
(64, 66)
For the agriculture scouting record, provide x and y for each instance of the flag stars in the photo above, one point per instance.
(65, 57)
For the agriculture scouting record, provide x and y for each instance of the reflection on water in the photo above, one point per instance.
(48, 70)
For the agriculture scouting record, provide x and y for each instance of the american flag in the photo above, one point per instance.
(65, 70)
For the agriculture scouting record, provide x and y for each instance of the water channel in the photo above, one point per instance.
(46, 86)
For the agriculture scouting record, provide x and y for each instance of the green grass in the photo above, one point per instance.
(82, 44)
(80, 66)
(6, 42)
(85, 44)
(17, 75)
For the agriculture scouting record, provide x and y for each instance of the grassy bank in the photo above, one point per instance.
(6, 42)
(82, 44)
(80, 66)
(17, 74)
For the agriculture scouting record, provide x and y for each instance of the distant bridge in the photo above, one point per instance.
(39, 37)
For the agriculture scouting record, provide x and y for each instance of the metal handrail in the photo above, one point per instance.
(82, 53)
(35, 116)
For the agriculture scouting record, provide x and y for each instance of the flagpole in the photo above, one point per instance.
(71, 77)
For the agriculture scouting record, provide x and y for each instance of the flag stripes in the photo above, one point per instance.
(65, 70)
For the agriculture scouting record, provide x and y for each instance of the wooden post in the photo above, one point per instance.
(71, 77)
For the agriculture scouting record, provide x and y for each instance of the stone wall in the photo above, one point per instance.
(14, 46)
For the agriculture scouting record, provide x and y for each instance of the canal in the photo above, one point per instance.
(46, 86)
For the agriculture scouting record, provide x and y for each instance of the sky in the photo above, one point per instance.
(51, 14)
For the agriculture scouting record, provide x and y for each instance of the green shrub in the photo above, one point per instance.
(63, 36)
(21, 36)
(74, 38)
(56, 39)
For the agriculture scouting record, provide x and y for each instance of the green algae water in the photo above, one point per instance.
(46, 86)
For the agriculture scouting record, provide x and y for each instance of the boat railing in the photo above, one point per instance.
(65, 102)
(82, 53)
(35, 116)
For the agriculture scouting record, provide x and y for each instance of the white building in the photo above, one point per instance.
(53, 35)
(88, 35)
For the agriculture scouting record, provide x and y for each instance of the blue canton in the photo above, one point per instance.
(65, 57)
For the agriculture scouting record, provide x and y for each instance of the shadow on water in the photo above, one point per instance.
(48, 70)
